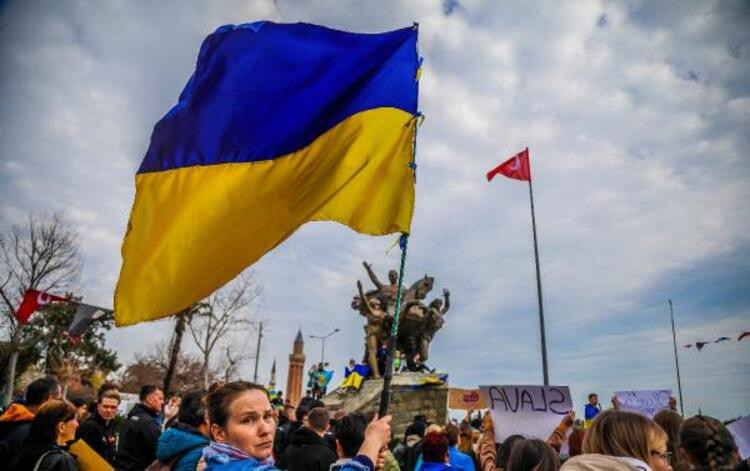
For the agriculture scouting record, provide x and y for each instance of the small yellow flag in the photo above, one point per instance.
(88, 459)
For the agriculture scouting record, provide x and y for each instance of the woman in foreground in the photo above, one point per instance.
(242, 428)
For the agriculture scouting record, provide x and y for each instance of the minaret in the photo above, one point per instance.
(296, 370)
(272, 382)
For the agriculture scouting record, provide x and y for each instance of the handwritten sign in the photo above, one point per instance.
(531, 411)
(465, 399)
(647, 403)
(740, 430)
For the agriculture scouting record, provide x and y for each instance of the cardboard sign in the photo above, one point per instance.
(531, 411)
(465, 399)
(740, 430)
(647, 403)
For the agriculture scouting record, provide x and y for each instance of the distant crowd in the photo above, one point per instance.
(240, 426)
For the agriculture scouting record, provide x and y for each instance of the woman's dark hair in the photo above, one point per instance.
(79, 402)
(670, 421)
(218, 400)
(435, 447)
(43, 429)
(452, 432)
(503, 450)
(350, 433)
(192, 408)
(532, 454)
(707, 443)
(575, 442)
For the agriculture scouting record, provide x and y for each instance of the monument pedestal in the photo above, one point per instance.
(410, 396)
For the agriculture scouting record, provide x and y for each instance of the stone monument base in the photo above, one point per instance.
(409, 397)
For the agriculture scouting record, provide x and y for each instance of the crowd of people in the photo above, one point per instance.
(236, 426)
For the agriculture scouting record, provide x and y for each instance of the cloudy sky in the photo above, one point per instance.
(637, 115)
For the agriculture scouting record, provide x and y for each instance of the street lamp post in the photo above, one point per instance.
(323, 343)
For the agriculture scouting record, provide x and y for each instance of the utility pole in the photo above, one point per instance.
(257, 353)
(676, 358)
(323, 339)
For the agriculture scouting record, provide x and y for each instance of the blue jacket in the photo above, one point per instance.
(176, 440)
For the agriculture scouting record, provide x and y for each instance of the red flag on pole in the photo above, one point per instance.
(516, 167)
(32, 300)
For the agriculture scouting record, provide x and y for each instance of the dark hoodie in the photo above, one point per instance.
(100, 435)
(15, 424)
(308, 451)
(137, 445)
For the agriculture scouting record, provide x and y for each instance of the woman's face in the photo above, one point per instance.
(66, 431)
(251, 425)
(659, 457)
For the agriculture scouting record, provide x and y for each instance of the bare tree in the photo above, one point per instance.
(221, 316)
(42, 255)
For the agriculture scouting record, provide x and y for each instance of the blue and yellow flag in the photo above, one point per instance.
(279, 125)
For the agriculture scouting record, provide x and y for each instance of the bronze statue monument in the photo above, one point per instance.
(417, 323)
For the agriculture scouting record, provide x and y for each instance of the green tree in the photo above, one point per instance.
(46, 334)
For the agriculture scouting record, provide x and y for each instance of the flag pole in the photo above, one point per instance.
(676, 358)
(403, 242)
(545, 373)
(385, 394)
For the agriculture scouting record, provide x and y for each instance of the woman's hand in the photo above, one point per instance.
(377, 436)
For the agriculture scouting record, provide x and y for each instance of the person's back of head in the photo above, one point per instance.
(349, 434)
(707, 444)
(575, 441)
(623, 434)
(318, 420)
(532, 455)
(504, 449)
(192, 408)
(452, 432)
(670, 421)
(41, 390)
(301, 413)
(435, 447)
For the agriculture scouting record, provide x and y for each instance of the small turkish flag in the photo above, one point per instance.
(32, 300)
(516, 167)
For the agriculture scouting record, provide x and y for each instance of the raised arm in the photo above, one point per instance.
(487, 451)
(557, 437)
(447, 296)
(372, 275)
(365, 301)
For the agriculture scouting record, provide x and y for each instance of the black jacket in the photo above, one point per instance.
(100, 436)
(308, 451)
(56, 459)
(12, 436)
(137, 446)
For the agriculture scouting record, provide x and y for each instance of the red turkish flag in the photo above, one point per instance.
(32, 300)
(516, 167)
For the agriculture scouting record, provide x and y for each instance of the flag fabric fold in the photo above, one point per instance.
(517, 167)
(280, 124)
(86, 315)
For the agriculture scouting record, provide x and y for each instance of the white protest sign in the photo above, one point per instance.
(740, 430)
(531, 411)
(647, 403)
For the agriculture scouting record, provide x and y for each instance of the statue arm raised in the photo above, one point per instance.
(447, 296)
(372, 275)
(365, 301)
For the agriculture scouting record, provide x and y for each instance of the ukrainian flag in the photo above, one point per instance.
(279, 125)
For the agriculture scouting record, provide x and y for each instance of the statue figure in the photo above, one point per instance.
(433, 322)
(377, 329)
(417, 323)
(386, 292)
